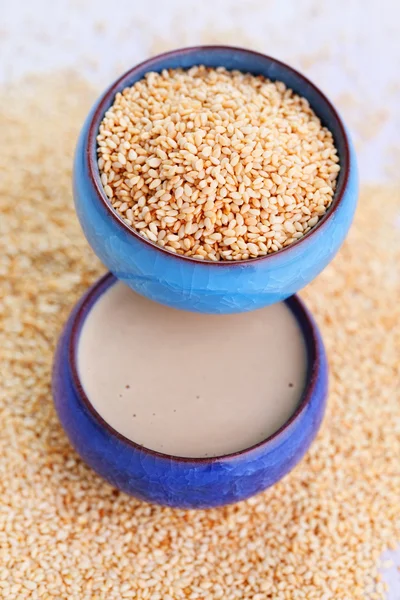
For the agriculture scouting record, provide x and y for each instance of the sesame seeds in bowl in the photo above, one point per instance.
(216, 165)
(197, 224)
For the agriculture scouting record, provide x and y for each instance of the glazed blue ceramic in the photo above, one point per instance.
(176, 481)
(205, 286)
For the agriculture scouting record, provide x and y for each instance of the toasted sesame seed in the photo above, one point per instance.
(312, 221)
(155, 183)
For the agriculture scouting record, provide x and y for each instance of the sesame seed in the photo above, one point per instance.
(155, 183)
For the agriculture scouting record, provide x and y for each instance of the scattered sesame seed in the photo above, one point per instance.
(317, 534)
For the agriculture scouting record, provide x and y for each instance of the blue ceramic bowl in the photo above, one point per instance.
(206, 286)
(176, 481)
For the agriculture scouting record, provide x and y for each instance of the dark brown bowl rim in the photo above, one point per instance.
(314, 348)
(106, 101)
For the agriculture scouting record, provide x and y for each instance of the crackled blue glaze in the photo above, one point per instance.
(172, 481)
(203, 286)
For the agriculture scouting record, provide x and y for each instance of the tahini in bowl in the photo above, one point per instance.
(176, 481)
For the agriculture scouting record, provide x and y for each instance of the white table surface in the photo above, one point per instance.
(350, 48)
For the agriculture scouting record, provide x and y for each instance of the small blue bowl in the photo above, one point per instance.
(205, 286)
(176, 481)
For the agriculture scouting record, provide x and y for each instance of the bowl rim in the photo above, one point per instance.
(106, 100)
(315, 365)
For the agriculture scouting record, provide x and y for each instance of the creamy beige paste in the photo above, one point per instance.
(189, 384)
